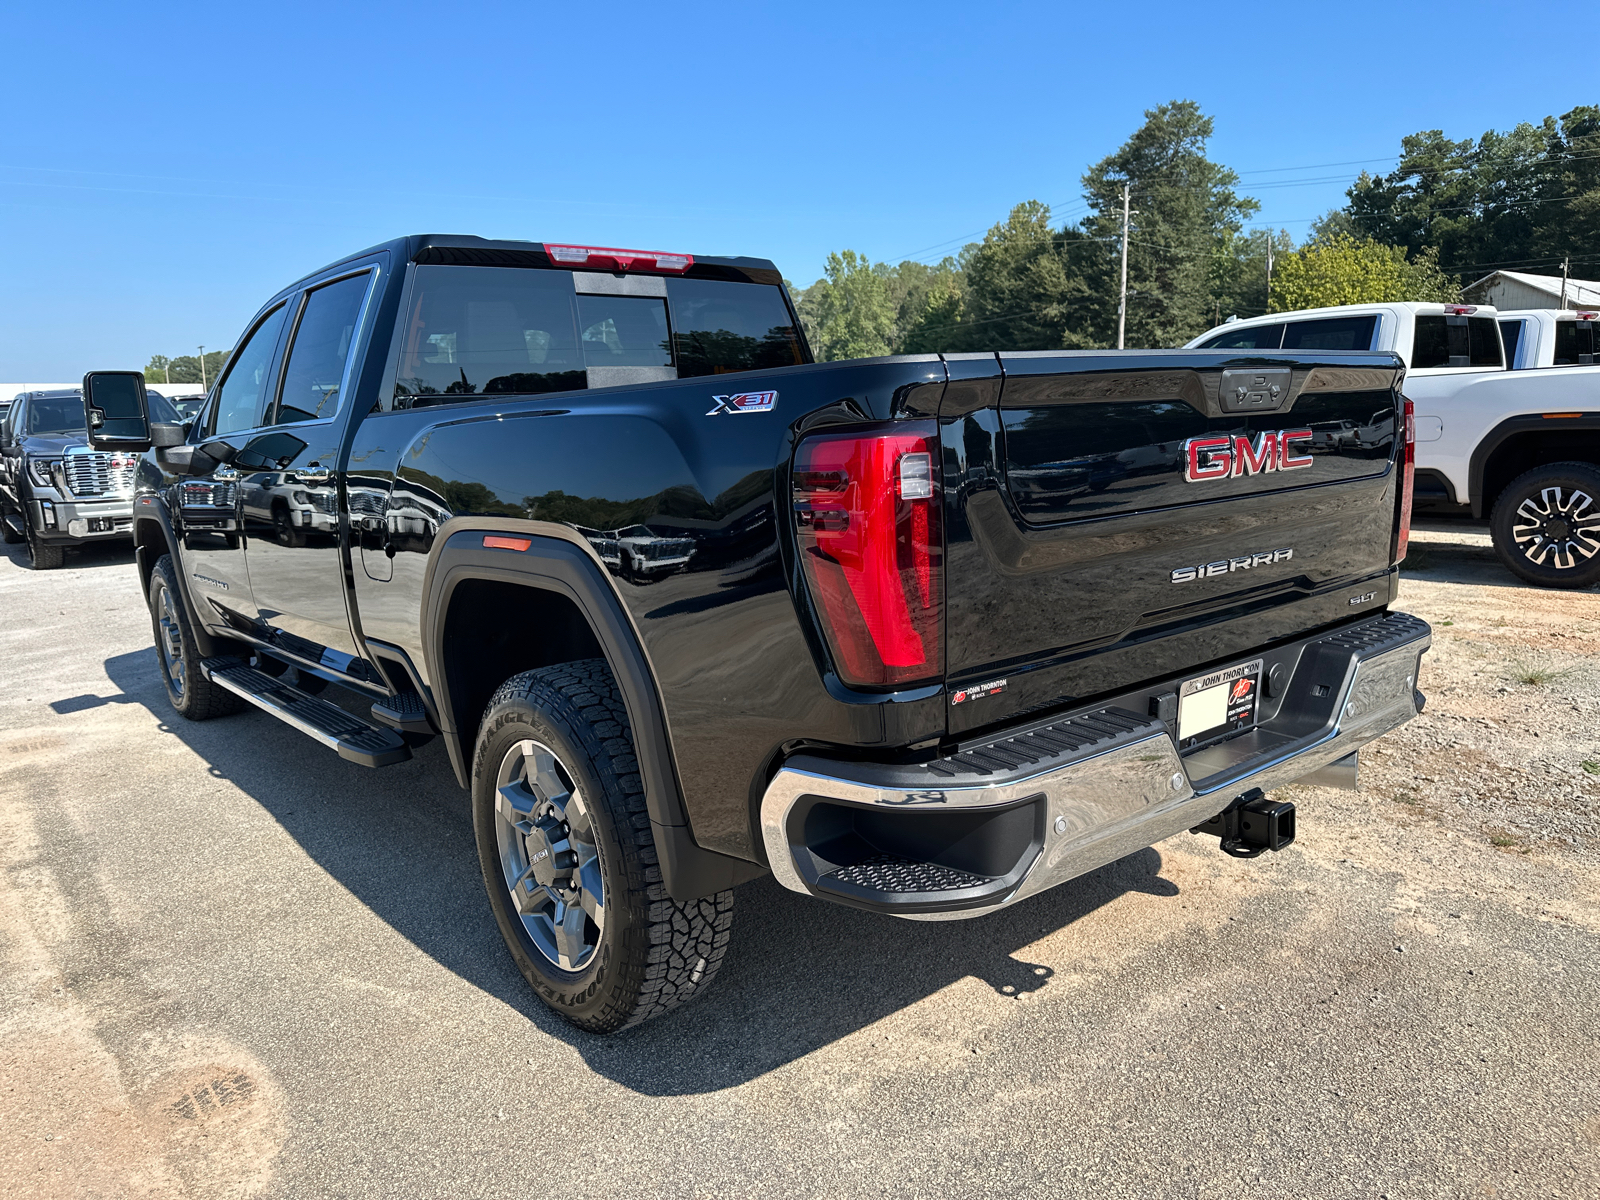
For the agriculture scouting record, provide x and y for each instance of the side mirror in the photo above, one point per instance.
(116, 410)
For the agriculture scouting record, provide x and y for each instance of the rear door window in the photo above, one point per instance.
(1511, 335)
(1332, 333)
(475, 331)
(1253, 337)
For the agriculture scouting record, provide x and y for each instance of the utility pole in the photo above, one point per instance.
(1122, 306)
(202, 366)
(1565, 263)
(1269, 270)
(166, 371)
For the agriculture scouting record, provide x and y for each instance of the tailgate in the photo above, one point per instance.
(1121, 518)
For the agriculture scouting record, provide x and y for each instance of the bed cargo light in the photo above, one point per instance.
(1461, 310)
(1408, 481)
(608, 258)
(867, 517)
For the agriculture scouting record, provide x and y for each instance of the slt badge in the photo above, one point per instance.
(744, 402)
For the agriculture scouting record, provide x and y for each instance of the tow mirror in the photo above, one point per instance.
(116, 410)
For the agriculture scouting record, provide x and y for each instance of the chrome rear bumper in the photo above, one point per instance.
(1100, 785)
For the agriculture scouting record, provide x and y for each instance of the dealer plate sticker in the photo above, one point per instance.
(978, 691)
(1217, 703)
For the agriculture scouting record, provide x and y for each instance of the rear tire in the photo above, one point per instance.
(558, 804)
(1546, 525)
(188, 690)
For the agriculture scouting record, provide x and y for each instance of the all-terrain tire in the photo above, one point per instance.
(653, 953)
(1560, 499)
(188, 690)
(42, 556)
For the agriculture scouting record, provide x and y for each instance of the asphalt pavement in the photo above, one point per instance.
(232, 964)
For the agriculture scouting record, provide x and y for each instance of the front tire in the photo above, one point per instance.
(1546, 525)
(569, 860)
(43, 556)
(188, 690)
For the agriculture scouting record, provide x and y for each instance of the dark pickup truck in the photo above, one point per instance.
(921, 635)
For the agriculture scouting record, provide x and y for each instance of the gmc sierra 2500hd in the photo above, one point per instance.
(923, 635)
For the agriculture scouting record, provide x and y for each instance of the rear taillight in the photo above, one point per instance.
(1408, 482)
(606, 258)
(867, 517)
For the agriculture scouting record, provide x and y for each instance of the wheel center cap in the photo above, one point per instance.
(542, 858)
(1557, 530)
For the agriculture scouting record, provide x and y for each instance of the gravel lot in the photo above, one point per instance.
(234, 965)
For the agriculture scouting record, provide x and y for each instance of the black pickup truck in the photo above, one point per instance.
(921, 635)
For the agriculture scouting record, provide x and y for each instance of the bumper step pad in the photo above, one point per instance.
(354, 739)
(900, 876)
(1068, 738)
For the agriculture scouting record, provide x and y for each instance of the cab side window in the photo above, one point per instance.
(242, 396)
(1255, 337)
(313, 372)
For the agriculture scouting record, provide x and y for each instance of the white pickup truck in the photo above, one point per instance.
(1520, 446)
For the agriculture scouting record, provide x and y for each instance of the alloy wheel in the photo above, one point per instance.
(169, 641)
(1560, 527)
(548, 855)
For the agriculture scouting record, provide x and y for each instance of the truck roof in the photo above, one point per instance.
(1411, 307)
(468, 250)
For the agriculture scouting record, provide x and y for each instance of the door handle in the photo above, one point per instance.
(225, 475)
(314, 474)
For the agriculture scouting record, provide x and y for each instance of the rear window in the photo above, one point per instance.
(1332, 333)
(1253, 337)
(1450, 341)
(477, 331)
(1574, 343)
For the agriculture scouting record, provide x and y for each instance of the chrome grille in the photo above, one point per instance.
(95, 473)
(204, 493)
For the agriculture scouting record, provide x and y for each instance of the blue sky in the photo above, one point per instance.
(166, 167)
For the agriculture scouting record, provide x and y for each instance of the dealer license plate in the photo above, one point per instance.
(1222, 702)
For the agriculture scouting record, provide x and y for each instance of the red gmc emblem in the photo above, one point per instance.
(1226, 457)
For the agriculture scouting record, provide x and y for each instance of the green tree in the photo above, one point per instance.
(1525, 199)
(1020, 292)
(1239, 271)
(1185, 205)
(1343, 270)
(185, 368)
(850, 313)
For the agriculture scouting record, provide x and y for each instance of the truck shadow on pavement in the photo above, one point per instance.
(800, 974)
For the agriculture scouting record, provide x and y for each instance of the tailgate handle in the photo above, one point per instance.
(1254, 390)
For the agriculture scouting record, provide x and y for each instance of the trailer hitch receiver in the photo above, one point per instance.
(1251, 824)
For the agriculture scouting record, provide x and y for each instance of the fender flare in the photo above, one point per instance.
(1503, 432)
(556, 561)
